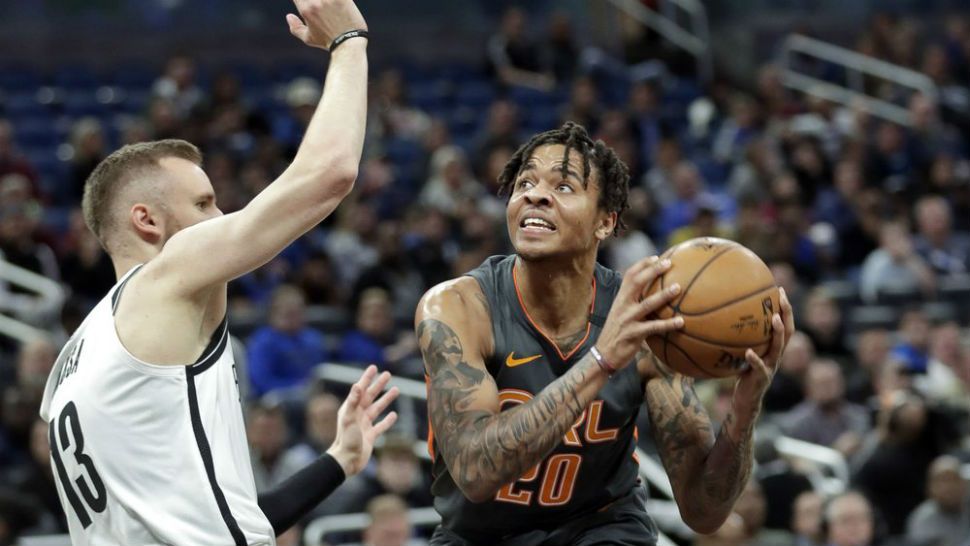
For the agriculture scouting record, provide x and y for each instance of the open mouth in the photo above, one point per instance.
(535, 224)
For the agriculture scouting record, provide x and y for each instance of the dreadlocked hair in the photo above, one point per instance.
(614, 177)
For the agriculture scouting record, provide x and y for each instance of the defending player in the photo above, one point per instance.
(146, 431)
(537, 370)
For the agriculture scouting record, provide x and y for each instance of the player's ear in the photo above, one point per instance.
(147, 223)
(606, 225)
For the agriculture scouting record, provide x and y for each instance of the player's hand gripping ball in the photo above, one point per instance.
(727, 298)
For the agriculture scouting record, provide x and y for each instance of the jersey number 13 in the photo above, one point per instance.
(72, 443)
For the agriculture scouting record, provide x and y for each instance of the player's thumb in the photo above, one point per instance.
(297, 28)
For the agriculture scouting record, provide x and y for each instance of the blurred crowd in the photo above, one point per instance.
(866, 224)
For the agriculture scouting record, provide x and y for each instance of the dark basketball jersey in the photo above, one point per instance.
(595, 463)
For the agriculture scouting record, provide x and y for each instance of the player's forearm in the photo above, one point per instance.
(334, 140)
(486, 451)
(724, 475)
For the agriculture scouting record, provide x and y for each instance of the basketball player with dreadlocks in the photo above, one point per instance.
(537, 369)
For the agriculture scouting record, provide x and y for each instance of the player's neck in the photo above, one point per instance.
(556, 294)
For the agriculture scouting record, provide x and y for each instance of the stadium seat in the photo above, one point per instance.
(75, 77)
(475, 95)
(22, 105)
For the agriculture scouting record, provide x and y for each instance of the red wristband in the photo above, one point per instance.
(601, 362)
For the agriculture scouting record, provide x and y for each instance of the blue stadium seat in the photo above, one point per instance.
(36, 132)
(135, 76)
(76, 76)
(541, 118)
(18, 78)
(402, 152)
(431, 95)
(526, 97)
(22, 105)
(475, 94)
(80, 103)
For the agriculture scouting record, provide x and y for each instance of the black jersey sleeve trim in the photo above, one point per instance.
(212, 352)
(116, 297)
(202, 442)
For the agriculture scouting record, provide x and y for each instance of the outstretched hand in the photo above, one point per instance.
(356, 429)
(324, 20)
(753, 382)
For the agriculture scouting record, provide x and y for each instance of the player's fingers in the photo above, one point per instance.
(353, 399)
(756, 363)
(658, 327)
(787, 315)
(777, 340)
(365, 379)
(657, 300)
(385, 423)
(639, 282)
(297, 28)
(376, 387)
(381, 403)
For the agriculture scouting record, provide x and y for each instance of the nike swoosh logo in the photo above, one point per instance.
(512, 362)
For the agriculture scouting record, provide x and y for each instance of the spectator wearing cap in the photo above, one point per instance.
(397, 471)
(943, 519)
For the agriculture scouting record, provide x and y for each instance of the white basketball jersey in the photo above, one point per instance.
(149, 454)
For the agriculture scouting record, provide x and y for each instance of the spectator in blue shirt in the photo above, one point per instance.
(375, 340)
(282, 354)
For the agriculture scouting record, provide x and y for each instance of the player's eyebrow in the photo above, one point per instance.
(557, 166)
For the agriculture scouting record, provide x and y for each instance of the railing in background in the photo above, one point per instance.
(857, 67)
(20, 314)
(827, 469)
(694, 40)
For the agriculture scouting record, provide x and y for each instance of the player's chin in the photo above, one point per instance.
(531, 249)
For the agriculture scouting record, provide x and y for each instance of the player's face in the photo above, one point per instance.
(190, 198)
(552, 215)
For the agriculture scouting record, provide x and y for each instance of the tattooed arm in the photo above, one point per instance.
(483, 447)
(708, 473)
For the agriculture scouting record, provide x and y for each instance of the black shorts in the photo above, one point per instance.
(624, 523)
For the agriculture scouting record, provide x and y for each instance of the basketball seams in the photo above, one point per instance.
(729, 302)
(687, 356)
(717, 343)
(700, 270)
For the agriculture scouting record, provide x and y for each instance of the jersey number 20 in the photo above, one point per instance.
(97, 499)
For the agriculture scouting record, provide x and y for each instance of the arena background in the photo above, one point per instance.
(831, 137)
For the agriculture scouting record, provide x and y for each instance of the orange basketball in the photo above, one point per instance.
(727, 297)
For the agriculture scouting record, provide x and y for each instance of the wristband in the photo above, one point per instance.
(358, 33)
(601, 362)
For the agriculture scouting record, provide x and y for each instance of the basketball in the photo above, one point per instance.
(728, 296)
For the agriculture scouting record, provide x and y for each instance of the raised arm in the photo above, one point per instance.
(483, 447)
(708, 473)
(321, 175)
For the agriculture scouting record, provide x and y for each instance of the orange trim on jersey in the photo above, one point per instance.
(560, 479)
(592, 305)
(593, 433)
(572, 435)
(636, 442)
